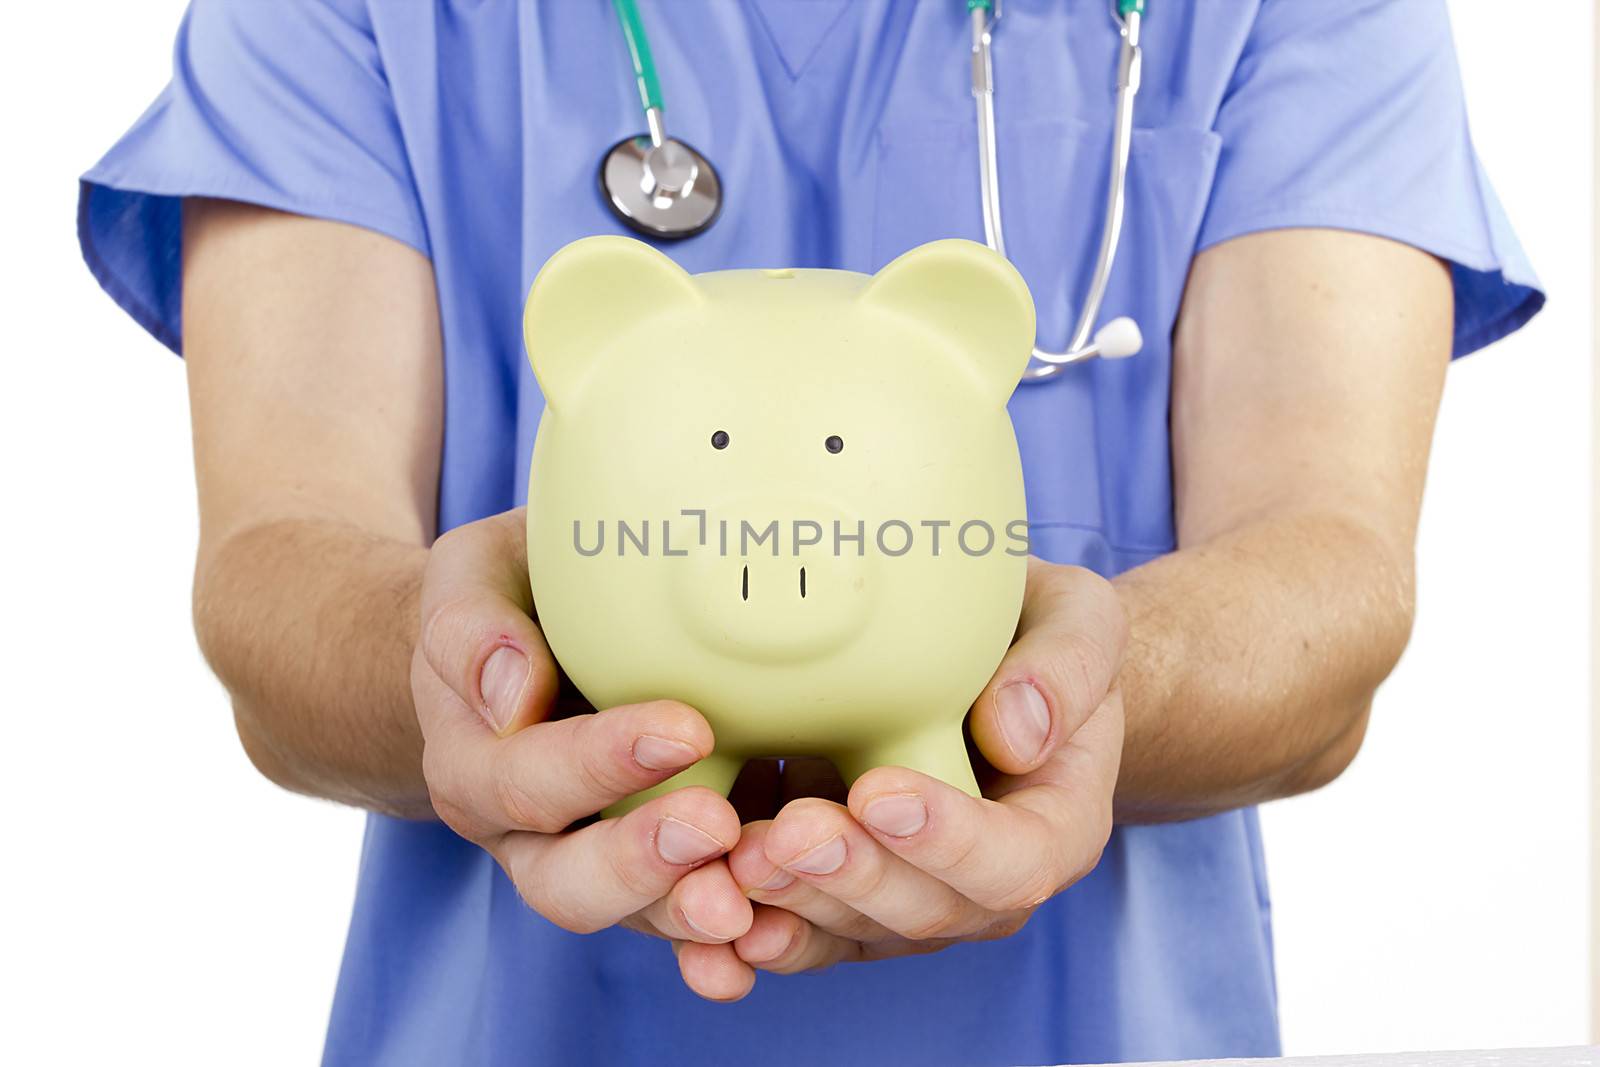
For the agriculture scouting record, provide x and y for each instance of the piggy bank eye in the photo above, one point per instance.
(834, 444)
(719, 439)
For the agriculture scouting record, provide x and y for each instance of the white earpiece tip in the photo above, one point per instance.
(1119, 338)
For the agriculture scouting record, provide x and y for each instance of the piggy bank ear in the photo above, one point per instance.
(972, 295)
(585, 292)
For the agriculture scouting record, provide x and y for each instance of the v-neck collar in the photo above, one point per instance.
(797, 28)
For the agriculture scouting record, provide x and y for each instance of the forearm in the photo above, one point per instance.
(1253, 659)
(311, 625)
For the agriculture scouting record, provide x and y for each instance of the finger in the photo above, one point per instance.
(822, 844)
(706, 905)
(594, 877)
(552, 774)
(1065, 659)
(714, 972)
(765, 882)
(1008, 855)
(1089, 760)
(749, 865)
(477, 631)
(783, 943)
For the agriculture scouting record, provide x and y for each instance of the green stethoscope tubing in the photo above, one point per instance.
(658, 185)
(644, 64)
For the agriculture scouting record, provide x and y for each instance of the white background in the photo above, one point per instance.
(161, 897)
(1435, 895)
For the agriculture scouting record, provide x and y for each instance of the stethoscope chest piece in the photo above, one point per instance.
(666, 191)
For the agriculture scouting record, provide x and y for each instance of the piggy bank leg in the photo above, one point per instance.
(716, 772)
(939, 753)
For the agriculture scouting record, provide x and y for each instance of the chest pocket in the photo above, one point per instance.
(1094, 441)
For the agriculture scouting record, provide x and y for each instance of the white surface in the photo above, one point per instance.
(159, 895)
(1571, 1056)
(161, 902)
(1434, 897)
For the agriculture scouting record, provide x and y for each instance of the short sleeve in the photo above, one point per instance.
(1351, 116)
(281, 103)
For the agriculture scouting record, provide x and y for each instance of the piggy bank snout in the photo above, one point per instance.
(777, 583)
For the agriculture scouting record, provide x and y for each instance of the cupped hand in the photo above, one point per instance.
(911, 865)
(505, 772)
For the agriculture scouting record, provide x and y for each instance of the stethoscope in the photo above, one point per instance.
(663, 188)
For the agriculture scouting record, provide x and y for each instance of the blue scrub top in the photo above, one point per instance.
(471, 130)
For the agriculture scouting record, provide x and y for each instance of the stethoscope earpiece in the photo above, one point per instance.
(1118, 339)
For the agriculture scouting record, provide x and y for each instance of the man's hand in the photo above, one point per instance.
(505, 775)
(911, 865)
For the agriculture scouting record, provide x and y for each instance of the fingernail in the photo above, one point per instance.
(679, 843)
(1024, 719)
(781, 879)
(701, 930)
(824, 859)
(662, 754)
(504, 676)
(897, 816)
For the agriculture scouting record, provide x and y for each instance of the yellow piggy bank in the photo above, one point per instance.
(789, 498)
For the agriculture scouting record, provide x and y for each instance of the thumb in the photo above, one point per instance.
(477, 633)
(1065, 660)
